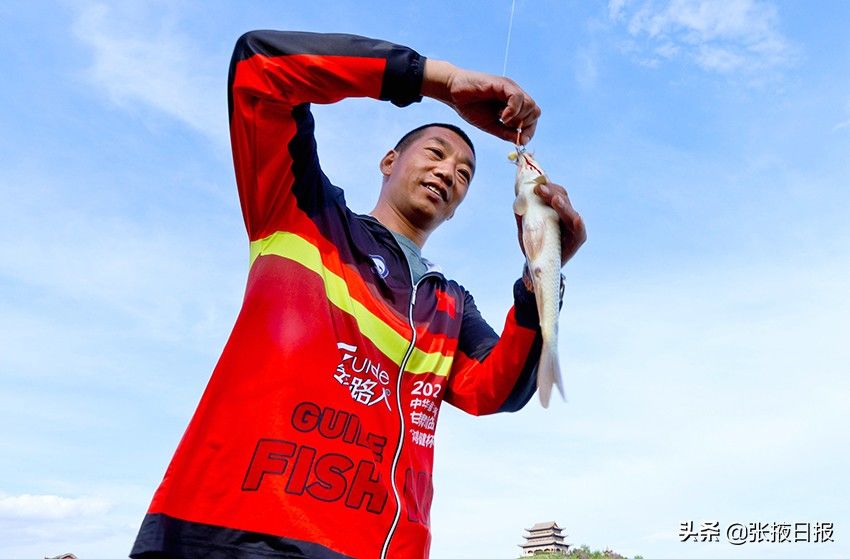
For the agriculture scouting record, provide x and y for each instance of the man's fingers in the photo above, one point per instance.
(569, 216)
(513, 111)
(556, 196)
(494, 104)
(502, 131)
(573, 232)
(520, 112)
(525, 116)
(548, 190)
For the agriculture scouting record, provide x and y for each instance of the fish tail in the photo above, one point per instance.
(548, 373)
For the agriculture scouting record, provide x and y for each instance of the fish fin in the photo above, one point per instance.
(548, 374)
(520, 205)
(559, 381)
(513, 156)
(540, 179)
(545, 392)
(532, 241)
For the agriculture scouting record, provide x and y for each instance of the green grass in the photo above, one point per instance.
(582, 552)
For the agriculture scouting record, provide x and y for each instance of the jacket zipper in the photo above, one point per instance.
(403, 426)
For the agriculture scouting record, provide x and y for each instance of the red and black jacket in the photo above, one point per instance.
(314, 437)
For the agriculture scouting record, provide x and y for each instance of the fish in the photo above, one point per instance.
(541, 239)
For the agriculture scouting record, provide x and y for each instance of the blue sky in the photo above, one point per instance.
(703, 333)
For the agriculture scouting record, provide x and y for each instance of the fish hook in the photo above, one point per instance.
(520, 149)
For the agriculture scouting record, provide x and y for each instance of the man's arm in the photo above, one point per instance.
(273, 77)
(492, 373)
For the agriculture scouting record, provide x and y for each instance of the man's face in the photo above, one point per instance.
(429, 178)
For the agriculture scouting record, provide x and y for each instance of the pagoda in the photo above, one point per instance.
(544, 537)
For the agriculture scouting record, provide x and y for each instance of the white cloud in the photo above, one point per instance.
(720, 36)
(153, 64)
(615, 9)
(102, 523)
(39, 522)
(50, 507)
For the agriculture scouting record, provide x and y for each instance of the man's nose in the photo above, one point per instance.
(445, 171)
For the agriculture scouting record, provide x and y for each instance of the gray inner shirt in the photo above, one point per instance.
(413, 254)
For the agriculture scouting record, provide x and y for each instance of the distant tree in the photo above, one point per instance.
(582, 552)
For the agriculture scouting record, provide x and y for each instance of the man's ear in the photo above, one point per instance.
(386, 165)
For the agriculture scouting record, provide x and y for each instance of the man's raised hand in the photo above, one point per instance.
(492, 103)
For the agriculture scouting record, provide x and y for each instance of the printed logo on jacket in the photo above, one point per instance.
(365, 379)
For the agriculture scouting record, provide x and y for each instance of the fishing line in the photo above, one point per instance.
(505, 64)
(508, 44)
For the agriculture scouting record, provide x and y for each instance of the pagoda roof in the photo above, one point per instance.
(544, 526)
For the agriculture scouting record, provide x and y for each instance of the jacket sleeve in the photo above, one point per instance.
(273, 78)
(492, 373)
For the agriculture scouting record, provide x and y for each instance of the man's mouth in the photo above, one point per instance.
(441, 193)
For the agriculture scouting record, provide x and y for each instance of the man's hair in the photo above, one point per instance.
(411, 136)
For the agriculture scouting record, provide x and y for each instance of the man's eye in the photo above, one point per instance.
(464, 175)
(436, 151)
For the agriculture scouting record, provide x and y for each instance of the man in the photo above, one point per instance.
(314, 437)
